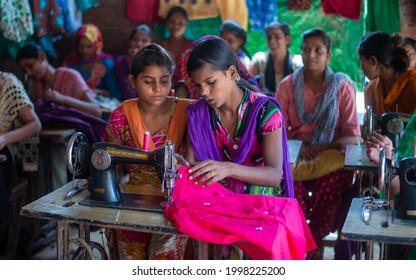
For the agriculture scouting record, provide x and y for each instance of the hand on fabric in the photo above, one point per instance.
(180, 161)
(375, 143)
(53, 95)
(209, 171)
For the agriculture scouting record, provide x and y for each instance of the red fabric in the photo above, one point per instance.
(323, 208)
(143, 11)
(350, 9)
(264, 227)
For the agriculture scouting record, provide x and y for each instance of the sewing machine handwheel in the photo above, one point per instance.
(77, 153)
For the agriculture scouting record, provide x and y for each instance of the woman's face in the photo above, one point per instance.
(277, 41)
(369, 67)
(234, 42)
(140, 40)
(34, 67)
(152, 85)
(85, 47)
(411, 53)
(315, 55)
(213, 85)
(177, 25)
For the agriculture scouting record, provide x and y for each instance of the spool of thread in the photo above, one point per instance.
(146, 139)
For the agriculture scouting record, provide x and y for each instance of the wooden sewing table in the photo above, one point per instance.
(397, 232)
(356, 159)
(53, 207)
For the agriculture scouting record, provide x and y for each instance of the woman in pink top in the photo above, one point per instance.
(319, 109)
(62, 85)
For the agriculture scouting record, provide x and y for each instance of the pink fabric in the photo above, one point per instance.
(264, 227)
(67, 82)
(350, 9)
(347, 120)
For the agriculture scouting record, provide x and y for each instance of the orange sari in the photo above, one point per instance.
(124, 244)
(401, 97)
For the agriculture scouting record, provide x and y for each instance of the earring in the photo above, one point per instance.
(238, 77)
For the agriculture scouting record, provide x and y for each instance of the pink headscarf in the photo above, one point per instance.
(93, 34)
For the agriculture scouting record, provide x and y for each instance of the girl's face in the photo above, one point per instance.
(411, 53)
(152, 85)
(214, 86)
(177, 25)
(234, 42)
(34, 67)
(140, 40)
(277, 40)
(315, 55)
(85, 47)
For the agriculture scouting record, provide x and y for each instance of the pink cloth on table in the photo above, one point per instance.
(264, 227)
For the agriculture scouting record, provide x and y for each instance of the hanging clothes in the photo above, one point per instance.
(300, 5)
(74, 16)
(349, 9)
(261, 13)
(15, 20)
(85, 5)
(194, 8)
(47, 18)
(382, 15)
(143, 11)
(234, 10)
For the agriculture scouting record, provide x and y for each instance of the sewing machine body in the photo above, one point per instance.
(407, 197)
(102, 158)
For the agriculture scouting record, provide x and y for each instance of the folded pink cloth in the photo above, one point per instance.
(264, 227)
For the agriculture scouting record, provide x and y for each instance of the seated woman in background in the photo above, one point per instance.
(140, 37)
(176, 22)
(272, 66)
(18, 121)
(385, 63)
(236, 37)
(320, 109)
(61, 85)
(62, 100)
(96, 67)
(164, 118)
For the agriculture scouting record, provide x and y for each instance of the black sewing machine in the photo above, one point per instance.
(407, 197)
(101, 159)
(392, 124)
